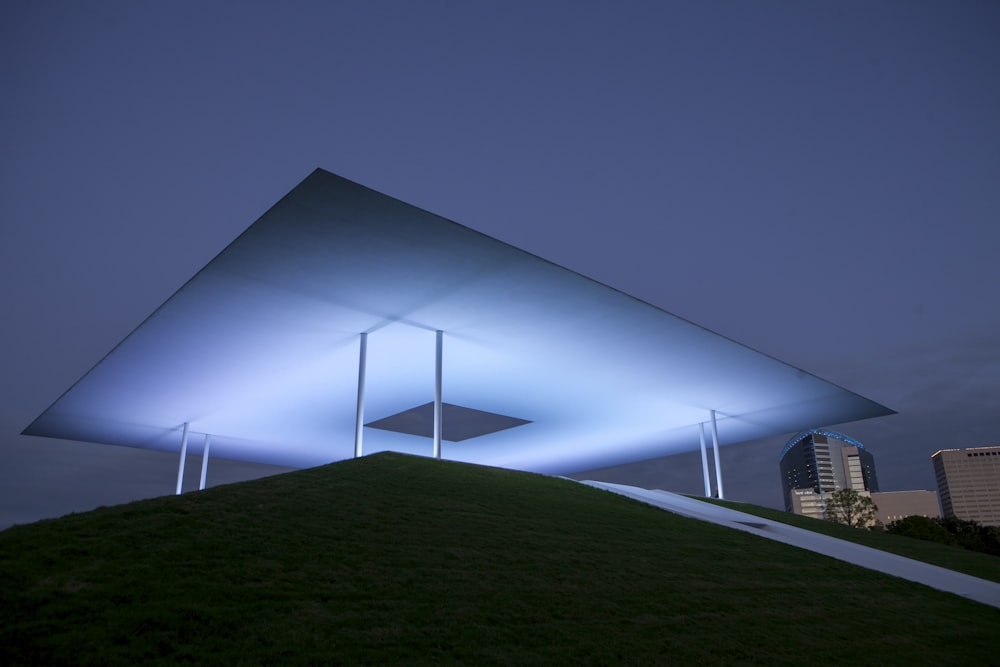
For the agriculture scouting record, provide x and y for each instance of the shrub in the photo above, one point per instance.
(922, 528)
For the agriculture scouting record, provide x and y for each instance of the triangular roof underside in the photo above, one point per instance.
(260, 349)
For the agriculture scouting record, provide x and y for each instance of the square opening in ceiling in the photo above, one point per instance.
(457, 423)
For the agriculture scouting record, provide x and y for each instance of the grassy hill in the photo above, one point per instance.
(952, 557)
(392, 559)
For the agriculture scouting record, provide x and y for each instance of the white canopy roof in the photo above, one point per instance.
(260, 349)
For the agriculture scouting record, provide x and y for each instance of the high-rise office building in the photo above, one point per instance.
(969, 483)
(819, 462)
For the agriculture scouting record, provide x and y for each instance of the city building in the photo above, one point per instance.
(895, 505)
(818, 462)
(807, 502)
(969, 483)
(345, 322)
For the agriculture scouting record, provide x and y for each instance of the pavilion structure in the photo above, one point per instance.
(345, 322)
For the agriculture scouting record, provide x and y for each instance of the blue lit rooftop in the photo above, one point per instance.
(799, 437)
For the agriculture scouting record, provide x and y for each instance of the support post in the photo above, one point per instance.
(704, 462)
(359, 420)
(437, 393)
(204, 462)
(184, 452)
(718, 465)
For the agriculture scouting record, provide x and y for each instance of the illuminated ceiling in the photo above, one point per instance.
(260, 349)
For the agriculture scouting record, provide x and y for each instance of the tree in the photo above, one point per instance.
(922, 528)
(952, 530)
(850, 508)
(974, 535)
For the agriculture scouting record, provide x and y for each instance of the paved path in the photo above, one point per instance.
(974, 588)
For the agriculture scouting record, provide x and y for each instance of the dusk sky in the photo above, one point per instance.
(819, 181)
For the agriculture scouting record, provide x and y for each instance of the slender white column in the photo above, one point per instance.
(704, 462)
(437, 395)
(718, 466)
(359, 420)
(184, 453)
(204, 462)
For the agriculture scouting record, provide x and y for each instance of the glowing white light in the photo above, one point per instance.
(260, 349)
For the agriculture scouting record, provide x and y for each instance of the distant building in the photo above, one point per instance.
(895, 505)
(806, 502)
(890, 505)
(969, 483)
(818, 462)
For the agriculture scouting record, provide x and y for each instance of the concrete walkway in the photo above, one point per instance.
(967, 586)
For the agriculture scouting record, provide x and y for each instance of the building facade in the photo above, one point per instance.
(818, 462)
(969, 483)
(895, 505)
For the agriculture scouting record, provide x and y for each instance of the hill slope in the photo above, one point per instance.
(397, 559)
(948, 556)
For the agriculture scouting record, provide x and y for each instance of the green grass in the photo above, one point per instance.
(391, 559)
(955, 558)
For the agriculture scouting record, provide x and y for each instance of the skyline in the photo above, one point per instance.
(817, 183)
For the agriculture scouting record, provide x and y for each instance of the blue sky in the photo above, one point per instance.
(815, 180)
